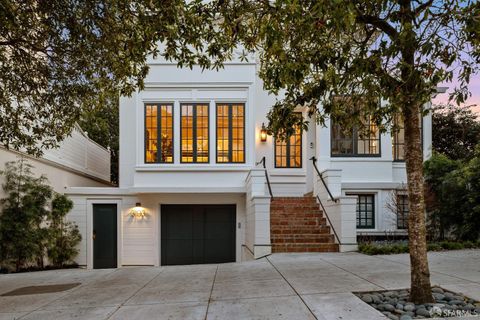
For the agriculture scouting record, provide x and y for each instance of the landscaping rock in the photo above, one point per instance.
(409, 307)
(423, 312)
(437, 290)
(395, 305)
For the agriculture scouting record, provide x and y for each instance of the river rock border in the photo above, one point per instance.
(395, 305)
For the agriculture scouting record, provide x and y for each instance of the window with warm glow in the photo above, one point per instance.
(359, 141)
(159, 133)
(230, 133)
(288, 154)
(194, 133)
(398, 138)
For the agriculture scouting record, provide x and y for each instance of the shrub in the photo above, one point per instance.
(28, 229)
(375, 248)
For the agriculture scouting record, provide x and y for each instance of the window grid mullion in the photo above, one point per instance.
(230, 133)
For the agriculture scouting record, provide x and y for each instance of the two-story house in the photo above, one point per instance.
(201, 182)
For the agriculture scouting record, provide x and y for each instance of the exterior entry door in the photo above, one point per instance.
(104, 236)
(194, 234)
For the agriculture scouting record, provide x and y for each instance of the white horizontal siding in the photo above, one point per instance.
(80, 153)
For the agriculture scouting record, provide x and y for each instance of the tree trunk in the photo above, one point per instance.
(420, 290)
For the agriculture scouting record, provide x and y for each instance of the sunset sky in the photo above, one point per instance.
(474, 89)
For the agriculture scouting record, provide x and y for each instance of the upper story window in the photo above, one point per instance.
(362, 141)
(398, 138)
(288, 154)
(194, 133)
(402, 211)
(159, 133)
(230, 133)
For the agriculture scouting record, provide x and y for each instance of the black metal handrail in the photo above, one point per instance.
(314, 161)
(262, 161)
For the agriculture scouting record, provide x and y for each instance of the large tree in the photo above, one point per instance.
(397, 52)
(59, 57)
(456, 131)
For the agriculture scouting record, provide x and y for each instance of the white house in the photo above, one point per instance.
(193, 188)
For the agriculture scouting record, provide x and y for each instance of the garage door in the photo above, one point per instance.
(193, 234)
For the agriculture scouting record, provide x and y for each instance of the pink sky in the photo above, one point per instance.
(474, 89)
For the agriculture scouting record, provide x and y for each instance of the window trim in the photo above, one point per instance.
(194, 130)
(159, 129)
(230, 130)
(355, 153)
(373, 195)
(288, 151)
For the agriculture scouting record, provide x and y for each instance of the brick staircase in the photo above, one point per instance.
(297, 225)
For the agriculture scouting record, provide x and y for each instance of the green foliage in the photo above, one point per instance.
(101, 122)
(457, 131)
(22, 238)
(60, 57)
(455, 210)
(27, 227)
(64, 235)
(402, 247)
(315, 51)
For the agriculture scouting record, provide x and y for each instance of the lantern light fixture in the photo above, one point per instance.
(263, 133)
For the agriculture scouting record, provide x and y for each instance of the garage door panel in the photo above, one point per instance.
(197, 234)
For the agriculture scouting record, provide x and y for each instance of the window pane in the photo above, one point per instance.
(288, 154)
(230, 133)
(342, 141)
(365, 211)
(159, 133)
(402, 211)
(194, 133)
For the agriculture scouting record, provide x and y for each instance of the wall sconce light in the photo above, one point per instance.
(138, 212)
(263, 133)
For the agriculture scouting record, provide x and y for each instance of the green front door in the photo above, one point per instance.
(104, 236)
(194, 234)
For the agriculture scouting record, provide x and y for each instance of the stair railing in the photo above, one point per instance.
(262, 161)
(314, 161)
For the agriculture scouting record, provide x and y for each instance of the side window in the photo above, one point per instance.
(365, 211)
(398, 138)
(288, 154)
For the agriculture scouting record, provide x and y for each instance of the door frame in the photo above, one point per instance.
(90, 204)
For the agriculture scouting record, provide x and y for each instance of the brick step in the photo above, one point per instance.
(296, 216)
(305, 247)
(303, 238)
(291, 206)
(285, 230)
(298, 222)
(293, 200)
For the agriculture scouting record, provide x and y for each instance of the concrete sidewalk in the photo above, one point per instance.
(282, 286)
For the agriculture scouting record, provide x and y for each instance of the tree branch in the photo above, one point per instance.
(379, 24)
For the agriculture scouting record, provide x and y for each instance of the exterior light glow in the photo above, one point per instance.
(138, 212)
(263, 133)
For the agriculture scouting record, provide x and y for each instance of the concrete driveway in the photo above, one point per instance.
(282, 286)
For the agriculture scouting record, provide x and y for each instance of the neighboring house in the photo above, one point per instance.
(193, 188)
(78, 161)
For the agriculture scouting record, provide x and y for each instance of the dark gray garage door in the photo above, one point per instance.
(194, 234)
